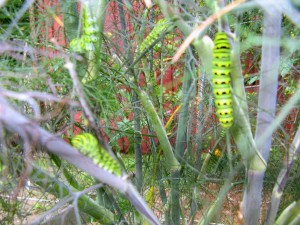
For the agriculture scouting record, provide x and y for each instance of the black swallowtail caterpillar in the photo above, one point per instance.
(88, 145)
(89, 32)
(221, 80)
(159, 28)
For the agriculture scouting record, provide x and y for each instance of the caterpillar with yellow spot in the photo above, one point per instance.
(88, 145)
(221, 80)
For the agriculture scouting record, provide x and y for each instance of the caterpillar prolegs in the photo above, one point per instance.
(221, 80)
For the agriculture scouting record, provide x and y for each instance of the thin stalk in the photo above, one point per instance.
(104, 198)
(137, 142)
(156, 161)
(71, 19)
(69, 177)
(241, 134)
(60, 190)
(135, 102)
(87, 110)
(184, 111)
(290, 216)
(16, 122)
(216, 206)
(241, 131)
(173, 164)
(205, 164)
(285, 110)
(266, 111)
(123, 27)
(181, 139)
(294, 151)
(161, 185)
(202, 45)
(229, 153)
(200, 121)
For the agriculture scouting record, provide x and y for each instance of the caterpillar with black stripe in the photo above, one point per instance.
(86, 43)
(161, 26)
(221, 80)
(88, 145)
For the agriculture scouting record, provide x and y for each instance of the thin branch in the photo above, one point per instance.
(38, 95)
(266, 112)
(16, 122)
(77, 86)
(198, 30)
(18, 16)
(29, 100)
(285, 7)
(291, 103)
(277, 193)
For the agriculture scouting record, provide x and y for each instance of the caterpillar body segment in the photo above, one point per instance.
(159, 28)
(86, 43)
(88, 145)
(76, 45)
(221, 80)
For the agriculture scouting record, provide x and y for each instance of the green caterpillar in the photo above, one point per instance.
(88, 145)
(160, 27)
(221, 80)
(89, 32)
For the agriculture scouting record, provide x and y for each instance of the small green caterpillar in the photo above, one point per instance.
(160, 27)
(89, 35)
(221, 80)
(88, 145)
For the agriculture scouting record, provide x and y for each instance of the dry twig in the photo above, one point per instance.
(195, 33)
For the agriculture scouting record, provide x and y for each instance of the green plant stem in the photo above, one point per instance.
(291, 103)
(16, 122)
(290, 216)
(205, 164)
(277, 193)
(242, 134)
(200, 135)
(137, 121)
(104, 197)
(60, 190)
(181, 137)
(135, 102)
(229, 152)
(215, 207)
(266, 112)
(124, 32)
(137, 143)
(72, 181)
(200, 127)
(71, 19)
(172, 164)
